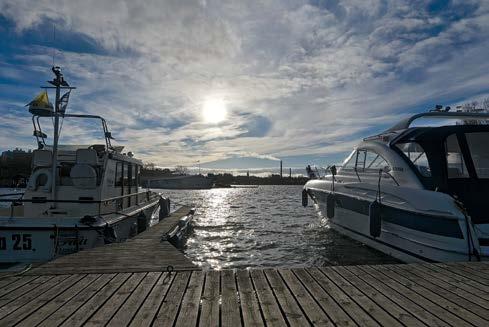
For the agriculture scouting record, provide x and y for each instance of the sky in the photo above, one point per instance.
(301, 81)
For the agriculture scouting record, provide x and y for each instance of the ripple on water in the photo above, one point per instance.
(264, 227)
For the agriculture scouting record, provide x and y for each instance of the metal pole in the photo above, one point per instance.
(56, 137)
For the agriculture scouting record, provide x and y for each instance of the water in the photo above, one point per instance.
(264, 227)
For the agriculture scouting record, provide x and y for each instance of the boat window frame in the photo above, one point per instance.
(412, 163)
(368, 169)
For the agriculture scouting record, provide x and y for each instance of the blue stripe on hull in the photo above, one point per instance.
(417, 221)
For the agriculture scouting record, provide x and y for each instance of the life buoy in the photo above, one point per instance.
(32, 185)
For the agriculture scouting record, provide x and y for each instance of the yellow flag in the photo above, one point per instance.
(40, 105)
(41, 100)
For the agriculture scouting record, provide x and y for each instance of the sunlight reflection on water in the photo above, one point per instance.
(264, 227)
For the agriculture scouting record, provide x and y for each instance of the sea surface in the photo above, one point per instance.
(265, 226)
(261, 226)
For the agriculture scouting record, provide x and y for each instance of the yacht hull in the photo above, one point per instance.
(409, 236)
(29, 240)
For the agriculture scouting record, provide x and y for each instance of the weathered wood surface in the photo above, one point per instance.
(385, 295)
(147, 251)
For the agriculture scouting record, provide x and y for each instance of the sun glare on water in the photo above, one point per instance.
(214, 110)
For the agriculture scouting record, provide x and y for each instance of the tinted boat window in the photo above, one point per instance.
(118, 174)
(416, 154)
(479, 151)
(455, 161)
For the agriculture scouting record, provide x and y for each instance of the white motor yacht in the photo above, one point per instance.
(78, 196)
(416, 193)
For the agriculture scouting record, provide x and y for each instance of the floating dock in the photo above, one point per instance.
(147, 251)
(130, 284)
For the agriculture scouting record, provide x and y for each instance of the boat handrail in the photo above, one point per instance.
(406, 123)
(41, 136)
(43, 200)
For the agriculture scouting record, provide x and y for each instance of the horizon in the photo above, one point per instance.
(231, 82)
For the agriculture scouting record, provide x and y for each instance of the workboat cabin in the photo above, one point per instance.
(78, 196)
(418, 191)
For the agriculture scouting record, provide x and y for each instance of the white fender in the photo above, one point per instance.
(32, 185)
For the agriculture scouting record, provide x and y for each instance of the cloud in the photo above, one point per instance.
(300, 78)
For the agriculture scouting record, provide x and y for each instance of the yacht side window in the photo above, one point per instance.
(126, 174)
(370, 161)
(350, 164)
(118, 173)
(375, 162)
(455, 161)
(416, 154)
(479, 152)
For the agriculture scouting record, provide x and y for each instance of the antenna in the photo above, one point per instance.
(54, 41)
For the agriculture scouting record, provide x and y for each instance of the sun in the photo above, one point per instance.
(214, 110)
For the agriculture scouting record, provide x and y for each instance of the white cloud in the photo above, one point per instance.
(323, 75)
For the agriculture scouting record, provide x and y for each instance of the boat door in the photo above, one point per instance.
(467, 171)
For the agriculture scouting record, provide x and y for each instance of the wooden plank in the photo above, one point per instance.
(210, 300)
(110, 307)
(77, 301)
(335, 312)
(406, 288)
(292, 312)
(189, 310)
(397, 295)
(473, 303)
(313, 311)
(459, 287)
(268, 303)
(436, 294)
(84, 312)
(471, 268)
(150, 306)
(350, 306)
(249, 303)
(230, 310)
(461, 270)
(8, 289)
(27, 293)
(169, 308)
(6, 280)
(40, 300)
(398, 312)
(125, 313)
(61, 299)
(374, 310)
(475, 287)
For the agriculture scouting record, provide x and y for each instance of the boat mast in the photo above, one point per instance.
(59, 83)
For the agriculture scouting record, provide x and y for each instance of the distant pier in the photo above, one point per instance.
(131, 284)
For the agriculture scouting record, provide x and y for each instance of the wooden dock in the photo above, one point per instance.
(148, 251)
(386, 295)
(128, 284)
